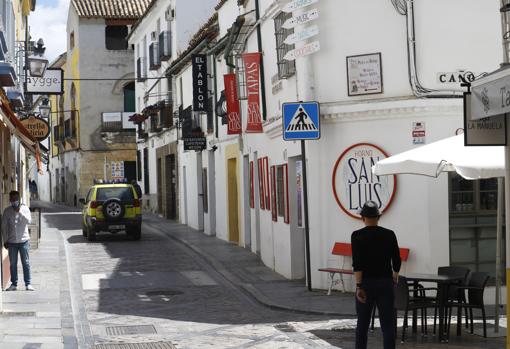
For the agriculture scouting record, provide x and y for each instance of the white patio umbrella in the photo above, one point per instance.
(450, 155)
(447, 155)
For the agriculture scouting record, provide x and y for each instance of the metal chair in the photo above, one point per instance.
(406, 303)
(453, 291)
(475, 290)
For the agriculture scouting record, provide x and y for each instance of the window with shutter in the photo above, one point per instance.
(165, 45)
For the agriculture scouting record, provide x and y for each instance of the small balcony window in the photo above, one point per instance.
(141, 69)
(165, 45)
(154, 61)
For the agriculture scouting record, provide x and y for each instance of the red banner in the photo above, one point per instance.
(251, 71)
(233, 115)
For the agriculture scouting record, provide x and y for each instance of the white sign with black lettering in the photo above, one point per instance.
(301, 19)
(455, 78)
(49, 84)
(488, 131)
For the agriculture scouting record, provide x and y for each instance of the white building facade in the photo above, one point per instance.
(252, 182)
(161, 36)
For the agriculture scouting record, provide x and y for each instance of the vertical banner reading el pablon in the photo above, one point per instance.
(199, 71)
(252, 70)
(234, 118)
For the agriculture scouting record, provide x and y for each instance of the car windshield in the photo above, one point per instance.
(122, 193)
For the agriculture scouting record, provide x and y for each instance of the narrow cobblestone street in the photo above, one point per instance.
(170, 288)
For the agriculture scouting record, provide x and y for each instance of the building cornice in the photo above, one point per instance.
(338, 112)
(391, 109)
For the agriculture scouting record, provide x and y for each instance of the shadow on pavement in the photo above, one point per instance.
(157, 277)
(345, 340)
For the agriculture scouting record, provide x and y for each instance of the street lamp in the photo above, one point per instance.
(37, 63)
(45, 109)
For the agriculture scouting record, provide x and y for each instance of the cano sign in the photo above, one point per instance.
(39, 128)
(354, 183)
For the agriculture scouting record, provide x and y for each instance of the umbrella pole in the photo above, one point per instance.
(499, 228)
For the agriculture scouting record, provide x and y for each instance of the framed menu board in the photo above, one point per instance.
(364, 74)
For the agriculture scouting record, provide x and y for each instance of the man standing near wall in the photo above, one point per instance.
(376, 263)
(16, 238)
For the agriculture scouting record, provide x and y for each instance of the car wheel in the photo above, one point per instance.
(91, 235)
(113, 209)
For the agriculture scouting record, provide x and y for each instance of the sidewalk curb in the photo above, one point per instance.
(248, 289)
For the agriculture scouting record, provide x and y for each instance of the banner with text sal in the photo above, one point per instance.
(233, 111)
(252, 75)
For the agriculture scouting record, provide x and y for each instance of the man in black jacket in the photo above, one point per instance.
(376, 263)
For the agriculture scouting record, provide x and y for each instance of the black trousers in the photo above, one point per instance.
(380, 293)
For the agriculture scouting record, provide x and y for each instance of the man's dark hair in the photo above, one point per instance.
(13, 193)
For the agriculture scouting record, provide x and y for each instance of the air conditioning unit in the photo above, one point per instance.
(154, 36)
(169, 14)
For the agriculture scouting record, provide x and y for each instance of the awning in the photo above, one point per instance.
(17, 128)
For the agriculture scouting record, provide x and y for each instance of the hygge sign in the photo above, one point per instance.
(354, 183)
(199, 67)
(491, 95)
(487, 131)
(49, 84)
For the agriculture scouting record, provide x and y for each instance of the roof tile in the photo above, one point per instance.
(112, 9)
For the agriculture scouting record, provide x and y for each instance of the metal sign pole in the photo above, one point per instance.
(307, 226)
(499, 226)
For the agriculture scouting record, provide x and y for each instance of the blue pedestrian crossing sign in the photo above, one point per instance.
(301, 121)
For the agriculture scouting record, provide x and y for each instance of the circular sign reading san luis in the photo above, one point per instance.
(39, 128)
(354, 183)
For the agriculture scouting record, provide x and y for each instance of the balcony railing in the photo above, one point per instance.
(117, 122)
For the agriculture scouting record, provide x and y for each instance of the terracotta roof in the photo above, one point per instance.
(112, 9)
(220, 4)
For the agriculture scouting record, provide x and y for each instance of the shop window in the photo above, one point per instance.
(286, 68)
(116, 37)
(472, 213)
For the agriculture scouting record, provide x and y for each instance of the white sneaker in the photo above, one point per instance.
(11, 288)
(30, 288)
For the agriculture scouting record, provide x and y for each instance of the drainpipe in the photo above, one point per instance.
(418, 90)
(262, 71)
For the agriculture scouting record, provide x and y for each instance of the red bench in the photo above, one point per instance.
(344, 250)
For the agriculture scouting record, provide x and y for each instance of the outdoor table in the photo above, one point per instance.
(443, 283)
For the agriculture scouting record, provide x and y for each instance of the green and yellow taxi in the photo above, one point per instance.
(112, 206)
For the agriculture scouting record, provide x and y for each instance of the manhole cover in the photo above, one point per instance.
(285, 328)
(163, 293)
(130, 330)
(155, 345)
